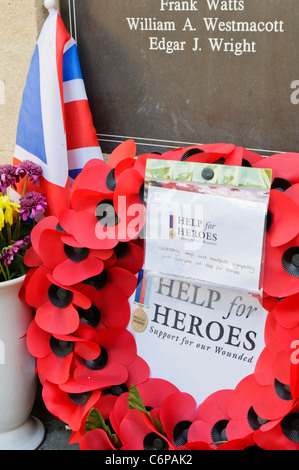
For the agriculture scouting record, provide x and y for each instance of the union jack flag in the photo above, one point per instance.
(55, 128)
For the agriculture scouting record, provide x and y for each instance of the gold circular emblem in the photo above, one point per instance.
(172, 234)
(139, 320)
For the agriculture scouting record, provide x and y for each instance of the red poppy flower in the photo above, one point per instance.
(136, 432)
(293, 192)
(278, 377)
(240, 156)
(101, 177)
(95, 225)
(244, 443)
(206, 153)
(56, 305)
(287, 327)
(118, 350)
(211, 419)
(96, 219)
(82, 218)
(243, 416)
(284, 168)
(283, 218)
(287, 312)
(266, 365)
(284, 435)
(294, 380)
(128, 255)
(22, 292)
(68, 405)
(110, 305)
(126, 150)
(97, 439)
(104, 220)
(153, 392)
(71, 263)
(281, 270)
(268, 302)
(118, 278)
(176, 415)
(90, 181)
(287, 337)
(32, 256)
(272, 371)
(55, 353)
(138, 372)
(129, 205)
(110, 308)
(270, 332)
(273, 401)
(196, 446)
(104, 404)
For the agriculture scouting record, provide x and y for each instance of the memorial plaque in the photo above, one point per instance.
(176, 73)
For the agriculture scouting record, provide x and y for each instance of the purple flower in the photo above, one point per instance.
(30, 169)
(22, 243)
(8, 255)
(32, 204)
(8, 177)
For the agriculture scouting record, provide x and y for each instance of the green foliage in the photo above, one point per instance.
(136, 403)
(96, 421)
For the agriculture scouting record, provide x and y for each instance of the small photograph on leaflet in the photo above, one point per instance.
(206, 223)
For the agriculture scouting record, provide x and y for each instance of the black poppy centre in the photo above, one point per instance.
(153, 441)
(76, 254)
(218, 432)
(115, 390)
(80, 398)
(59, 297)
(189, 153)
(61, 348)
(290, 261)
(280, 184)
(283, 390)
(180, 433)
(255, 421)
(90, 316)
(290, 427)
(99, 363)
(99, 281)
(121, 249)
(106, 213)
(110, 180)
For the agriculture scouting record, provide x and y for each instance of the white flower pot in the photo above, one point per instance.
(18, 429)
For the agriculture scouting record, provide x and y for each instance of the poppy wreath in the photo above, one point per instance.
(84, 262)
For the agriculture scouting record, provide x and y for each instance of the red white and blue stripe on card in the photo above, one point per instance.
(171, 221)
(55, 128)
(143, 289)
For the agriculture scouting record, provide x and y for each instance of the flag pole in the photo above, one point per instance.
(50, 4)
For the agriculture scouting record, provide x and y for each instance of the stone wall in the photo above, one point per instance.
(20, 24)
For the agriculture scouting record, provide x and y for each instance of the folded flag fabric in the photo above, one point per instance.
(55, 128)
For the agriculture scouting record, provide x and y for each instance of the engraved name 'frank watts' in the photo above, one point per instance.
(192, 5)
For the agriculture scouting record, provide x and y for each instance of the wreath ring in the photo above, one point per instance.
(80, 281)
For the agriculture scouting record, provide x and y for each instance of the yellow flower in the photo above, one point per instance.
(7, 211)
(1, 219)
